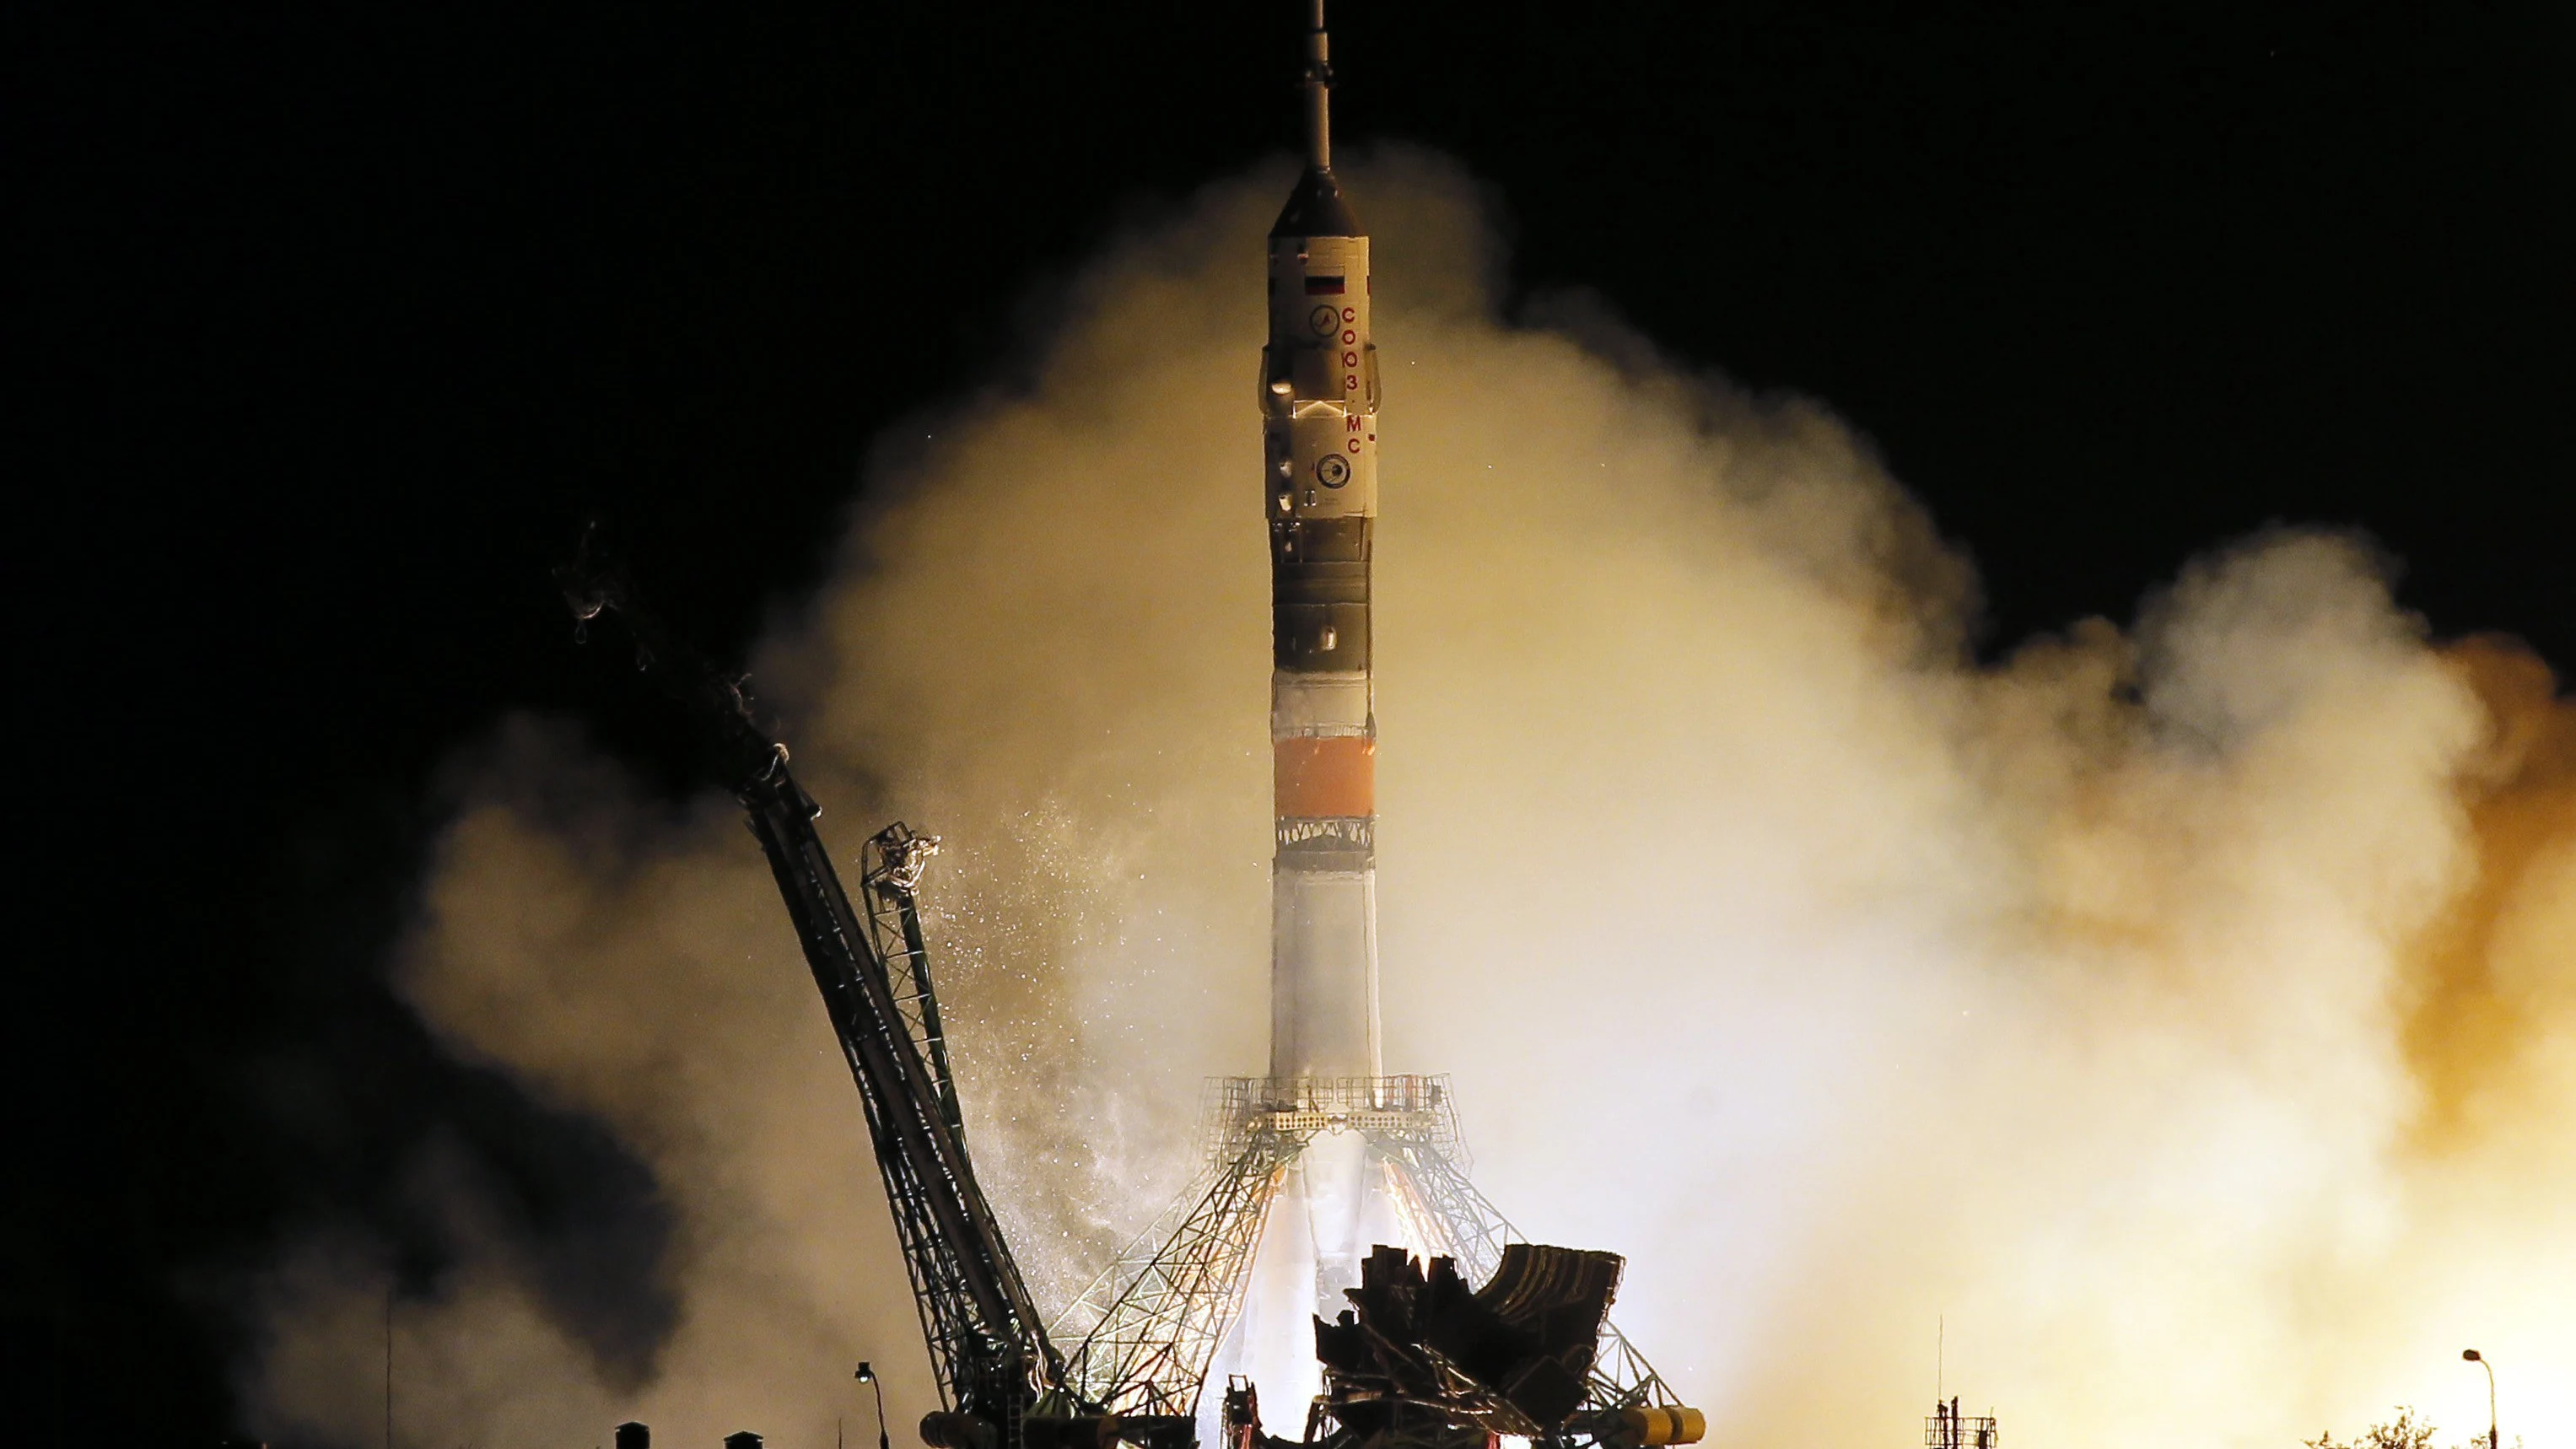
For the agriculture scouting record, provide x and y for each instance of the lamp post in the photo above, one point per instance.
(2473, 1356)
(868, 1376)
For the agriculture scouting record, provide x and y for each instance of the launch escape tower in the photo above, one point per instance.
(1327, 1147)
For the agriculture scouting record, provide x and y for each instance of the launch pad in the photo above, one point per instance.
(1151, 1324)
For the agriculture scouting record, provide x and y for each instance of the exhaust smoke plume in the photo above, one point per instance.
(2187, 1012)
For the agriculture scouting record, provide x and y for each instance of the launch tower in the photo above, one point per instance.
(1311, 1164)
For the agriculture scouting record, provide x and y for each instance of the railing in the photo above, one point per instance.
(1411, 1107)
(1946, 1430)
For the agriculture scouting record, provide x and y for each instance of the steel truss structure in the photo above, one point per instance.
(1150, 1325)
(1946, 1429)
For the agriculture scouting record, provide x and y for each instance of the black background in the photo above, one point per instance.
(336, 319)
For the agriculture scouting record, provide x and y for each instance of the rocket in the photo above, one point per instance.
(1319, 396)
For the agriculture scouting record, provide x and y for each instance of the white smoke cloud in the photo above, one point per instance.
(1845, 986)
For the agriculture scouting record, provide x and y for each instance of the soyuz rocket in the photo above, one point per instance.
(1319, 396)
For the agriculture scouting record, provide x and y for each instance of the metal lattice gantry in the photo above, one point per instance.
(1151, 1324)
(1152, 1329)
(1947, 1429)
(890, 870)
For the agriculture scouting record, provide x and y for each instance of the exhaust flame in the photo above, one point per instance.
(2188, 1012)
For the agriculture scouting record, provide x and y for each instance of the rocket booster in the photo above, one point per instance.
(1319, 395)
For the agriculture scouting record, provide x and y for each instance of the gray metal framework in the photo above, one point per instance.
(890, 871)
(1150, 1325)
(988, 1348)
(1947, 1429)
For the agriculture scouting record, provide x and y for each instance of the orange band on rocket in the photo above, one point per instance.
(1316, 779)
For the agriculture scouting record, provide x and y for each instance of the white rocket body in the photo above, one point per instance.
(1319, 398)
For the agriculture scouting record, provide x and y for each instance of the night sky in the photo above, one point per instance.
(338, 321)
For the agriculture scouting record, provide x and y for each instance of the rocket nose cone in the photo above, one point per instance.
(1316, 208)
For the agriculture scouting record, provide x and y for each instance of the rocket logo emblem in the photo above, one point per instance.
(1332, 471)
(1323, 320)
